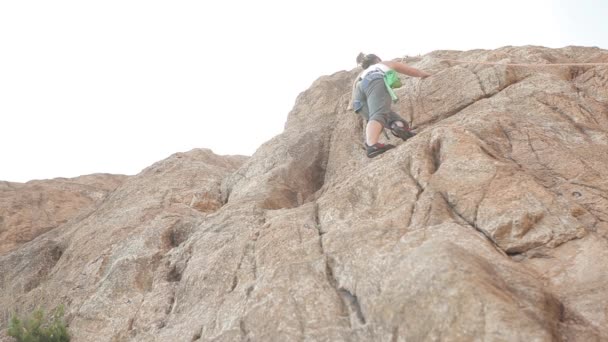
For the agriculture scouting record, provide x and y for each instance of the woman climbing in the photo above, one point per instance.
(372, 100)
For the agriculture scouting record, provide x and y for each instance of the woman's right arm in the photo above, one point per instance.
(352, 100)
(405, 69)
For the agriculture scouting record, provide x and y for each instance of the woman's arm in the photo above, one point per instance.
(352, 99)
(406, 69)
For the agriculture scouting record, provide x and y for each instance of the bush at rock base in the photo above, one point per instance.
(39, 327)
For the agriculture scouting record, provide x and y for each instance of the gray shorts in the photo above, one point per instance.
(373, 102)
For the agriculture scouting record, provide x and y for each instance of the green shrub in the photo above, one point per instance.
(40, 328)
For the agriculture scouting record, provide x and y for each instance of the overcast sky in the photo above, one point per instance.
(114, 86)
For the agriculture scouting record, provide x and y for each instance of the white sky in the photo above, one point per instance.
(114, 86)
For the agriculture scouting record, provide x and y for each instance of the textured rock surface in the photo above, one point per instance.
(30, 209)
(490, 225)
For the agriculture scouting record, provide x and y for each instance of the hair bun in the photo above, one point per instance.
(360, 58)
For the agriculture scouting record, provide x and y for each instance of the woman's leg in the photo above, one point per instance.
(399, 127)
(372, 132)
(379, 104)
(398, 124)
(378, 120)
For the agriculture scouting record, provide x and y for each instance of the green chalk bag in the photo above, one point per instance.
(392, 79)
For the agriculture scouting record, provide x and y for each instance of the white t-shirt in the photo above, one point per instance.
(378, 66)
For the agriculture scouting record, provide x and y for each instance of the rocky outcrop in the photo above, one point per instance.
(491, 224)
(31, 209)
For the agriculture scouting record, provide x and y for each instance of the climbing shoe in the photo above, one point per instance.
(401, 132)
(377, 149)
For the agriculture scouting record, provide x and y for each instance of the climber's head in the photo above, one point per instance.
(366, 60)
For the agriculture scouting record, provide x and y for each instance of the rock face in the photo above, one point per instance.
(490, 225)
(31, 209)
